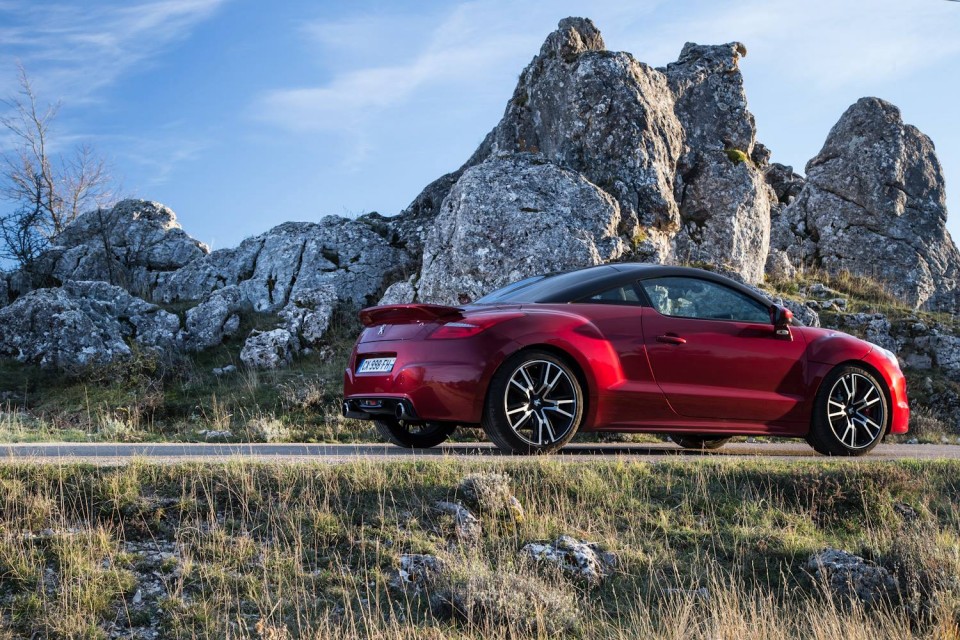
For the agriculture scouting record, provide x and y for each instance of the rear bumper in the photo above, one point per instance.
(437, 390)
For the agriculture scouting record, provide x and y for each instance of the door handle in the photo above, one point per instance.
(671, 339)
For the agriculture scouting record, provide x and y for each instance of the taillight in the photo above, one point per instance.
(469, 327)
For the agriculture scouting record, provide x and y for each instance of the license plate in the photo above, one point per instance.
(376, 365)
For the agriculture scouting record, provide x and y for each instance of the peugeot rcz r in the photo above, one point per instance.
(620, 347)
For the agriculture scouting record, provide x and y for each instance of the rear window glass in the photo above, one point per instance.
(626, 294)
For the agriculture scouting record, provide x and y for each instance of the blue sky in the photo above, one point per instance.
(240, 115)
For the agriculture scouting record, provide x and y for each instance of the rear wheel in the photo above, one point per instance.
(850, 413)
(699, 443)
(534, 404)
(413, 435)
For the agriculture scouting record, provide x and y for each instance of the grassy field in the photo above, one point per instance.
(703, 550)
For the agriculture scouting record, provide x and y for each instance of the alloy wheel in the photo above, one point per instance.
(540, 402)
(856, 411)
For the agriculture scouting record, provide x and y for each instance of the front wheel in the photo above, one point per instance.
(850, 413)
(413, 435)
(699, 443)
(534, 404)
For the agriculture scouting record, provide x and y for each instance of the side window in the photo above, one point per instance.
(696, 298)
(626, 294)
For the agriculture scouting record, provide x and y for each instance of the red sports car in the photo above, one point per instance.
(620, 347)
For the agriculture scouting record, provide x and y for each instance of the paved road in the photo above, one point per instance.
(333, 453)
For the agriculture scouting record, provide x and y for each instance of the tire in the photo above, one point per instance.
(534, 404)
(699, 443)
(850, 413)
(414, 435)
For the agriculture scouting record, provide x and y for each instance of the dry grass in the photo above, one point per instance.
(706, 550)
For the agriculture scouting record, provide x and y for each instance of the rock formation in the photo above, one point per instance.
(290, 260)
(83, 324)
(129, 245)
(874, 204)
(511, 217)
(672, 148)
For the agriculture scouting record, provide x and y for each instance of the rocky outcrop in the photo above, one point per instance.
(874, 204)
(724, 199)
(308, 313)
(512, 217)
(268, 349)
(214, 320)
(290, 260)
(670, 148)
(4, 290)
(83, 324)
(129, 245)
(604, 115)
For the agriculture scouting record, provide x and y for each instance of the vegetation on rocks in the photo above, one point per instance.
(702, 549)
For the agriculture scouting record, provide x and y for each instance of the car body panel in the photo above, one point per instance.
(728, 378)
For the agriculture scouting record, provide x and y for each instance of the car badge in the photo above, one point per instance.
(380, 331)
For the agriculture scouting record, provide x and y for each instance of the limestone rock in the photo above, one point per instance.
(604, 115)
(491, 494)
(215, 319)
(581, 560)
(513, 217)
(308, 313)
(82, 324)
(418, 571)
(874, 205)
(466, 526)
(268, 349)
(403, 292)
(290, 260)
(850, 577)
(129, 245)
(724, 199)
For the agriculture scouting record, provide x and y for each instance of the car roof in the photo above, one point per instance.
(573, 285)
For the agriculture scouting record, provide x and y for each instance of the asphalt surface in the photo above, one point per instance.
(336, 453)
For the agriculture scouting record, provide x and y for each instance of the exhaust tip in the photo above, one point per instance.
(400, 411)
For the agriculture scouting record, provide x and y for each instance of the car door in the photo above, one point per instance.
(714, 353)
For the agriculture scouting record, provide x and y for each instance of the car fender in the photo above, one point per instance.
(570, 333)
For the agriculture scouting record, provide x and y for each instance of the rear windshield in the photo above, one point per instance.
(511, 293)
(552, 287)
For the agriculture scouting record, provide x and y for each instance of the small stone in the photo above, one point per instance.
(582, 560)
(467, 527)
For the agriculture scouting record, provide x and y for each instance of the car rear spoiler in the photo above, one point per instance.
(408, 314)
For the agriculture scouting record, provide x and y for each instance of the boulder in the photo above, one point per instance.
(874, 204)
(490, 493)
(214, 320)
(417, 572)
(308, 313)
(129, 245)
(290, 260)
(512, 217)
(268, 349)
(402, 292)
(466, 526)
(581, 560)
(83, 324)
(850, 577)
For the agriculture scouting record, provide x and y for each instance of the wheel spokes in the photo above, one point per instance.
(540, 402)
(855, 411)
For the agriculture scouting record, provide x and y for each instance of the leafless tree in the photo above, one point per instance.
(47, 188)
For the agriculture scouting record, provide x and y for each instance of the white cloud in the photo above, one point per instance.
(71, 52)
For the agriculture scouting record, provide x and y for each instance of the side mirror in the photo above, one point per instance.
(781, 318)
